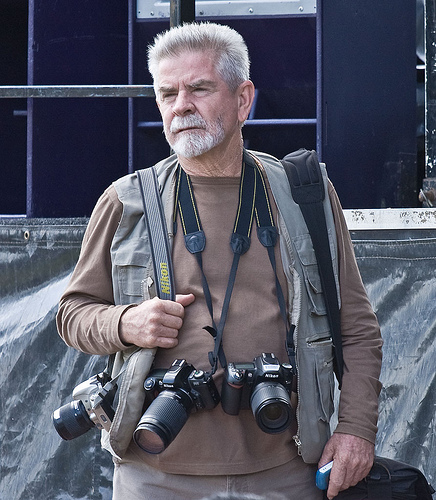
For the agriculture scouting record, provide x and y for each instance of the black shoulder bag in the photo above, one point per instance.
(390, 479)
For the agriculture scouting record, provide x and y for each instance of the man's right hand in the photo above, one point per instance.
(155, 322)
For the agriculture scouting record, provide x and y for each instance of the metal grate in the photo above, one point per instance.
(22, 91)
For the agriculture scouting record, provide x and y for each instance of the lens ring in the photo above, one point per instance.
(162, 421)
(271, 407)
(71, 420)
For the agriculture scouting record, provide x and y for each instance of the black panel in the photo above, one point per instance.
(369, 101)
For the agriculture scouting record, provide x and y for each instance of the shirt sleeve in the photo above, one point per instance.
(361, 341)
(87, 318)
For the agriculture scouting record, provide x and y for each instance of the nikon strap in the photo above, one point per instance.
(305, 178)
(156, 227)
(154, 220)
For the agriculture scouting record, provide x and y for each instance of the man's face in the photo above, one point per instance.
(198, 109)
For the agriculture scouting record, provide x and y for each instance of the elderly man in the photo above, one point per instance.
(204, 94)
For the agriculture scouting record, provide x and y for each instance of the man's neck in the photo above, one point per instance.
(219, 162)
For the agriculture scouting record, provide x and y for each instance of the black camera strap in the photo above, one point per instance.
(267, 234)
(253, 204)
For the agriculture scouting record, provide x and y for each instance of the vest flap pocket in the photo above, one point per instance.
(133, 269)
(312, 280)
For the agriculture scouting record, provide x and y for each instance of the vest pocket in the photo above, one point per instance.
(135, 281)
(316, 403)
(134, 277)
(312, 279)
(324, 378)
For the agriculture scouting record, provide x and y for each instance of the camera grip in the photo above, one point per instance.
(231, 395)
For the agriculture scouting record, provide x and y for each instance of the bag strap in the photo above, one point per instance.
(154, 220)
(379, 481)
(305, 179)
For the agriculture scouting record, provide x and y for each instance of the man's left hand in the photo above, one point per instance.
(352, 458)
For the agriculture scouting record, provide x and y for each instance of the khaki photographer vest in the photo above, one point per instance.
(133, 281)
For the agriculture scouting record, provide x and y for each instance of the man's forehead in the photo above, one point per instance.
(189, 62)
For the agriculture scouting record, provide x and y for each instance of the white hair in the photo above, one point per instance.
(232, 60)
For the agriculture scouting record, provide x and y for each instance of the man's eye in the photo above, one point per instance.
(168, 96)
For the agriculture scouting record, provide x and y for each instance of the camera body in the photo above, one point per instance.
(265, 386)
(171, 395)
(91, 407)
(182, 376)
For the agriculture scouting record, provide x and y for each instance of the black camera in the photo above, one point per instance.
(171, 395)
(264, 386)
(91, 407)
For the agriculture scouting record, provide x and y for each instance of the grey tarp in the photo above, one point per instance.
(38, 372)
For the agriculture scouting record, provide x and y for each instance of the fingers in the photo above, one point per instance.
(155, 322)
(343, 476)
(185, 300)
(352, 460)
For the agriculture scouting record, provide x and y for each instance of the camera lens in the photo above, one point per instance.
(162, 421)
(271, 407)
(71, 420)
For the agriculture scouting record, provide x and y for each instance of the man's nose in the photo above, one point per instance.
(183, 104)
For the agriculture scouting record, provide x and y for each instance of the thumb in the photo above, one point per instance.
(185, 300)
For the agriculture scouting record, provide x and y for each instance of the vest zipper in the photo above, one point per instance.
(319, 342)
(296, 438)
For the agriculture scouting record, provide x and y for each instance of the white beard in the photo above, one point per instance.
(191, 143)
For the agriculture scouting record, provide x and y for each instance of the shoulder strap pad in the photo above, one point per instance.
(304, 175)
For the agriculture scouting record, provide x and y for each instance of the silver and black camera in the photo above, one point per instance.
(91, 407)
(171, 395)
(264, 386)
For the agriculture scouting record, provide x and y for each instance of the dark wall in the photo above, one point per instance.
(368, 101)
(76, 147)
(13, 71)
(352, 67)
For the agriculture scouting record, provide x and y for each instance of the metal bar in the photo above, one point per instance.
(181, 11)
(258, 122)
(390, 218)
(281, 121)
(25, 91)
(320, 111)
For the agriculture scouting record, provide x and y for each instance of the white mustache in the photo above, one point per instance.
(179, 123)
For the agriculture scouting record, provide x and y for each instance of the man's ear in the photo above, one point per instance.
(246, 97)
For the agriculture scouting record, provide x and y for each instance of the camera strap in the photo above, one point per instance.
(267, 234)
(253, 204)
(154, 220)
